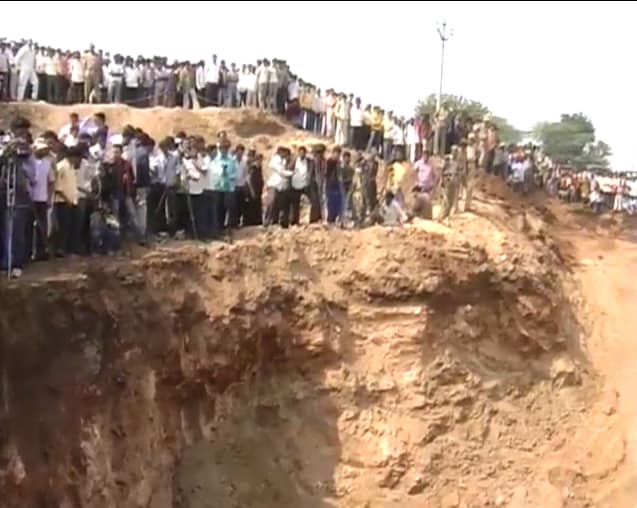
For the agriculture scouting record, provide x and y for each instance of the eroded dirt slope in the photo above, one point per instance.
(312, 367)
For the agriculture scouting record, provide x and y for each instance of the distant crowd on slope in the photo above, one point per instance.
(28, 70)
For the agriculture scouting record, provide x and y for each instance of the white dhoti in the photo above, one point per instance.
(25, 77)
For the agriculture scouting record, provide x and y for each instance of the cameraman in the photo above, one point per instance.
(17, 175)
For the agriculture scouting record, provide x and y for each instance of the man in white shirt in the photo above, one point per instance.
(115, 79)
(131, 83)
(411, 138)
(301, 179)
(251, 87)
(342, 120)
(25, 62)
(356, 123)
(50, 71)
(242, 87)
(278, 189)
(77, 79)
(294, 89)
(212, 82)
(193, 179)
(105, 77)
(40, 64)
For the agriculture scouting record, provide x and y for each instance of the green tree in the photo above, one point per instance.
(572, 141)
(473, 109)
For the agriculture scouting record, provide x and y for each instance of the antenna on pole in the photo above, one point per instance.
(444, 37)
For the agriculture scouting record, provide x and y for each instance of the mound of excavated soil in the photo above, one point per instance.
(251, 127)
(305, 368)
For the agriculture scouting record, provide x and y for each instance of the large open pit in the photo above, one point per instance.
(307, 368)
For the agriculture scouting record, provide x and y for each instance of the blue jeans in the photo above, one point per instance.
(334, 201)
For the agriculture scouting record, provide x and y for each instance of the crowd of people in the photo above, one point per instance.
(599, 189)
(81, 190)
(31, 71)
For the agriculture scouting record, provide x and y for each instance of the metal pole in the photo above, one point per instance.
(444, 37)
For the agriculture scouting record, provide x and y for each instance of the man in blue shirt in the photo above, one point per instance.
(222, 173)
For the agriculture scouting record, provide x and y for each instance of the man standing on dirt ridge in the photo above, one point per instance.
(212, 82)
(92, 65)
(449, 184)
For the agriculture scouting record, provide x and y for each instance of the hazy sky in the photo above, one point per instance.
(527, 61)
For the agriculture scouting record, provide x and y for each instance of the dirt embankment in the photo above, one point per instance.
(251, 127)
(415, 367)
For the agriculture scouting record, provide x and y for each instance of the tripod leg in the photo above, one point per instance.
(9, 242)
(192, 216)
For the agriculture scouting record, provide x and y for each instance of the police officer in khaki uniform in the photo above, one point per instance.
(440, 132)
(450, 177)
(482, 132)
(461, 160)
